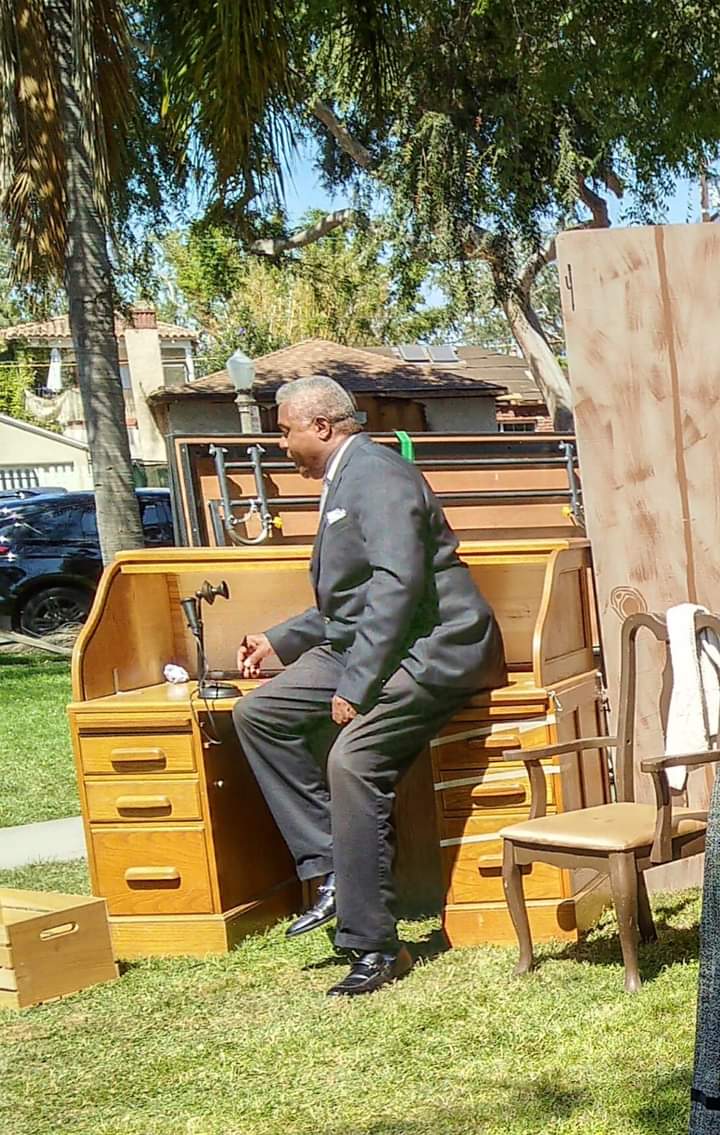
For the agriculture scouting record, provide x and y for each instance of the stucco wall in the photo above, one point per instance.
(442, 415)
(461, 415)
(146, 374)
(198, 416)
(35, 457)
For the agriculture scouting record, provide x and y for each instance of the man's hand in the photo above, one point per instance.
(251, 652)
(342, 711)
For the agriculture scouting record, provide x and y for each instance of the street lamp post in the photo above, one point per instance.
(242, 375)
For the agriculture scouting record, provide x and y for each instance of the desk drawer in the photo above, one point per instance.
(136, 752)
(502, 787)
(472, 862)
(158, 870)
(473, 873)
(467, 744)
(113, 800)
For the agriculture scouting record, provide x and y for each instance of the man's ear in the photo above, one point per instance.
(323, 428)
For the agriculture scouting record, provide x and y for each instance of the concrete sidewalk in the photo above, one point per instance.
(35, 843)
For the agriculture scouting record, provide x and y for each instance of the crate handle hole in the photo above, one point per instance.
(58, 931)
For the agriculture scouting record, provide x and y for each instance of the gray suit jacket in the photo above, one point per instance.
(390, 589)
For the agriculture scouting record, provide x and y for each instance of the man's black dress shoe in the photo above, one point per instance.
(370, 971)
(321, 912)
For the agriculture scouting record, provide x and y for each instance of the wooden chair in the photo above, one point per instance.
(621, 839)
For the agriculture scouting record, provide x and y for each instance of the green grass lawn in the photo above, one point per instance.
(248, 1044)
(36, 765)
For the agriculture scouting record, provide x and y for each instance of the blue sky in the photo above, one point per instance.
(303, 191)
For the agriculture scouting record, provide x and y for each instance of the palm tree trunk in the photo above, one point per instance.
(88, 282)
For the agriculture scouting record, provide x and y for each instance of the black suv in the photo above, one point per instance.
(50, 559)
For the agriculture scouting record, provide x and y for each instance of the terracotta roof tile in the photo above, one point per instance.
(59, 328)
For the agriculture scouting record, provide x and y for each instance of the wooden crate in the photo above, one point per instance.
(51, 945)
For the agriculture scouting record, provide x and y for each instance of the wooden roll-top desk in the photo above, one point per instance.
(180, 841)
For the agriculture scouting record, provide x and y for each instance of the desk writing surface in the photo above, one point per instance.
(167, 696)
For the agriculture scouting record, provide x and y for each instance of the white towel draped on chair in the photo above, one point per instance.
(693, 722)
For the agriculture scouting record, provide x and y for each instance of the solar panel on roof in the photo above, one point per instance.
(414, 353)
(443, 354)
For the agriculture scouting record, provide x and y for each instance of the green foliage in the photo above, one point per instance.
(482, 124)
(341, 288)
(16, 376)
(479, 321)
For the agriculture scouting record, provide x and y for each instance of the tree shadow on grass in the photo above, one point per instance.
(676, 944)
(539, 1103)
(663, 1107)
(659, 1106)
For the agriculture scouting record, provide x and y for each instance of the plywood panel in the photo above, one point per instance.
(641, 309)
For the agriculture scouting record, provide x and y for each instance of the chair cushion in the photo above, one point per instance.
(608, 827)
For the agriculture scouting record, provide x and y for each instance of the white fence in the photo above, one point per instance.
(32, 476)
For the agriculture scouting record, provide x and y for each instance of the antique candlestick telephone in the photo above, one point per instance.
(208, 687)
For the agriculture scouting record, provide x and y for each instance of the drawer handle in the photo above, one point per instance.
(136, 803)
(495, 741)
(492, 865)
(139, 756)
(152, 875)
(501, 791)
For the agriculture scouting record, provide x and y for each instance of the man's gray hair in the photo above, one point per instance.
(318, 396)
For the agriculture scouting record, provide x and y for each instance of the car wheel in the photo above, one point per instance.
(53, 608)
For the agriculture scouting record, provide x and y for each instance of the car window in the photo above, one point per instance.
(55, 523)
(88, 524)
(156, 521)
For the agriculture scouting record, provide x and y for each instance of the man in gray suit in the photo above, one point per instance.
(398, 640)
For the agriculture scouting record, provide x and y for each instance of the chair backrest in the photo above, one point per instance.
(625, 731)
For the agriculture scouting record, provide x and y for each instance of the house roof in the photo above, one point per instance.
(5, 420)
(362, 371)
(59, 328)
(477, 363)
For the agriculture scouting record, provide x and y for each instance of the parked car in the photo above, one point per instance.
(50, 558)
(10, 497)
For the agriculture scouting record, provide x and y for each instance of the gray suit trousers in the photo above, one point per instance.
(340, 819)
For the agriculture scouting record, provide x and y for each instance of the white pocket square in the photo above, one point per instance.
(336, 514)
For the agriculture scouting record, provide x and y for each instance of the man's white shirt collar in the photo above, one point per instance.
(332, 465)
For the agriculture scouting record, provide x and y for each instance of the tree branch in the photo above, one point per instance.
(613, 182)
(535, 264)
(275, 246)
(479, 244)
(548, 253)
(360, 155)
(596, 204)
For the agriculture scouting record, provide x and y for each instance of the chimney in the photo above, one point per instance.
(143, 317)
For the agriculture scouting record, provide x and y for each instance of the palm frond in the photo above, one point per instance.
(8, 101)
(103, 79)
(225, 68)
(34, 131)
(33, 190)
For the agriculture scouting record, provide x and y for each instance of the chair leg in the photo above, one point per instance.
(648, 933)
(624, 886)
(515, 898)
